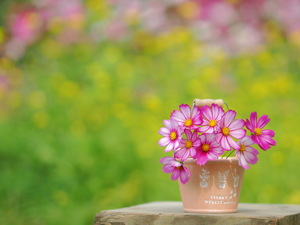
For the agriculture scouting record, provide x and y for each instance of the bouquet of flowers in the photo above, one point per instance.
(208, 133)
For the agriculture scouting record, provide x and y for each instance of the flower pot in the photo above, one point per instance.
(214, 187)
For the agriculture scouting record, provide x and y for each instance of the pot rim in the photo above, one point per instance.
(230, 160)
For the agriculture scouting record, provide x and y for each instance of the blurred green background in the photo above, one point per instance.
(85, 86)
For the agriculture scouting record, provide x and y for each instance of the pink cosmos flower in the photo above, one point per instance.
(176, 168)
(212, 118)
(172, 135)
(246, 153)
(230, 128)
(209, 149)
(261, 137)
(188, 146)
(185, 119)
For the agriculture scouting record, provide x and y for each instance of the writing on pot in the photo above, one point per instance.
(219, 202)
(221, 199)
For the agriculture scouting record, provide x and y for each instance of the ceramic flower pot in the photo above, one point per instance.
(213, 187)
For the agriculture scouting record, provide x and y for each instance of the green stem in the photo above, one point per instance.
(229, 154)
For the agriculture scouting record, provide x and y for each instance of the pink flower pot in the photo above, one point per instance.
(214, 187)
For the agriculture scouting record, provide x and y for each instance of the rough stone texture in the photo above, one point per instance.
(159, 213)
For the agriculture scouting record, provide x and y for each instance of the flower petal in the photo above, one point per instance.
(186, 110)
(167, 124)
(188, 134)
(164, 131)
(164, 141)
(224, 143)
(180, 153)
(168, 168)
(202, 158)
(197, 143)
(249, 126)
(263, 121)
(184, 177)
(175, 175)
(170, 147)
(206, 111)
(232, 143)
(243, 162)
(237, 124)
(253, 119)
(238, 134)
(166, 159)
(178, 116)
(229, 117)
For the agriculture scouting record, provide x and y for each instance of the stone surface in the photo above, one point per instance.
(159, 213)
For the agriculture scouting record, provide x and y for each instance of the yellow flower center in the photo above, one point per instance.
(257, 131)
(242, 149)
(188, 144)
(225, 131)
(173, 136)
(212, 123)
(179, 167)
(188, 122)
(205, 147)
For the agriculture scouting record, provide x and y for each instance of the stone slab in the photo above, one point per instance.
(159, 213)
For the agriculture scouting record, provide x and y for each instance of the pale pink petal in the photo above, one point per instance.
(232, 143)
(167, 124)
(211, 155)
(206, 111)
(174, 124)
(215, 111)
(176, 144)
(247, 141)
(263, 121)
(197, 143)
(202, 138)
(179, 153)
(166, 160)
(202, 158)
(168, 168)
(197, 121)
(187, 171)
(184, 178)
(229, 116)
(178, 116)
(186, 110)
(205, 122)
(252, 159)
(238, 134)
(224, 143)
(209, 138)
(194, 136)
(210, 130)
(164, 141)
(193, 152)
(175, 175)
(170, 147)
(186, 155)
(251, 150)
(196, 113)
(175, 163)
(243, 162)
(253, 119)
(203, 129)
(218, 137)
(164, 131)
(188, 134)
(237, 124)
